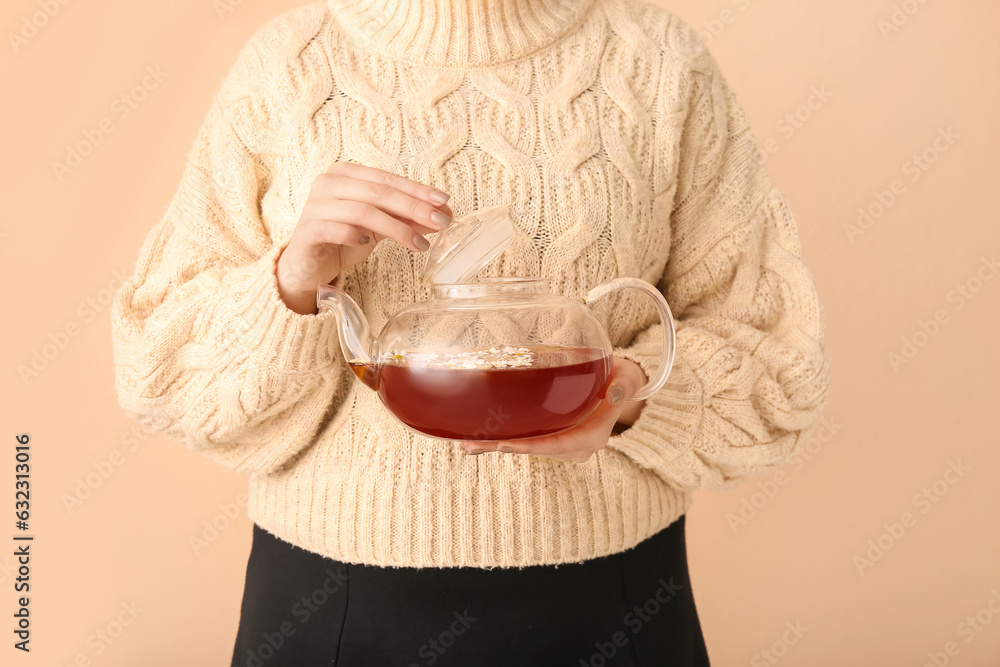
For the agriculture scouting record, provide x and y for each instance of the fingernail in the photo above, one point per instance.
(506, 449)
(364, 238)
(439, 197)
(421, 242)
(475, 451)
(615, 394)
(440, 219)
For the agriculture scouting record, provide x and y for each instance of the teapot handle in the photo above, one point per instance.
(667, 353)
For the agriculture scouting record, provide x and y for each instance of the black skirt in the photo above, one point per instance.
(630, 609)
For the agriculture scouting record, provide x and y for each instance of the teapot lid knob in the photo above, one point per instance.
(465, 248)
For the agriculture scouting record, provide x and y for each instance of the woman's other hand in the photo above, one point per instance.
(351, 208)
(579, 443)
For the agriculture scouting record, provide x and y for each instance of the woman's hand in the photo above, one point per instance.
(578, 444)
(351, 208)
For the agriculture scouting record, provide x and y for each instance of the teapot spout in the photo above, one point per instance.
(355, 335)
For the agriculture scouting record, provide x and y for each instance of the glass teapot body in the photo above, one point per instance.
(491, 358)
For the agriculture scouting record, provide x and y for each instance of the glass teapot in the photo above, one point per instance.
(488, 358)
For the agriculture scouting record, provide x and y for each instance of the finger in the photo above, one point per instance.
(627, 378)
(478, 447)
(417, 227)
(388, 198)
(340, 233)
(401, 183)
(574, 458)
(575, 453)
(545, 445)
(560, 449)
(364, 216)
(327, 211)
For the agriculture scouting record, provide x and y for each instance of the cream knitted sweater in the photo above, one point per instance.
(609, 130)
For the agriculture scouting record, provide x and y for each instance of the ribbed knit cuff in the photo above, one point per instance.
(667, 425)
(277, 337)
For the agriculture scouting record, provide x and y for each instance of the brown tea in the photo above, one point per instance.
(515, 393)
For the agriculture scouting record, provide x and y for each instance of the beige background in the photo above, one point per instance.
(891, 431)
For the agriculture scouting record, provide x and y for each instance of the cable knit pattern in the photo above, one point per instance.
(609, 130)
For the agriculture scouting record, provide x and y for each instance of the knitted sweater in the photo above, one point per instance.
(608, 129)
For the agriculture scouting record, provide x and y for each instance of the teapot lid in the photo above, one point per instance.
(465, 248)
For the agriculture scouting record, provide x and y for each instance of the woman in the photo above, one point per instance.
(345, 133)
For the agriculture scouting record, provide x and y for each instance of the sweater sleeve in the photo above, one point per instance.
(750, 373)
(205, 351)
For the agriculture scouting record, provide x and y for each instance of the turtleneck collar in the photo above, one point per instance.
(457, 33)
